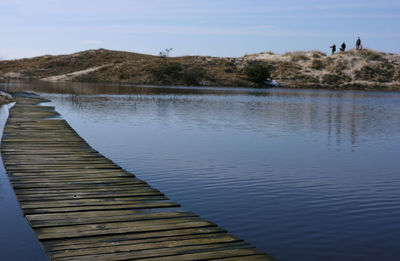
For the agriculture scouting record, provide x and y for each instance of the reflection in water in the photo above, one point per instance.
(342, 119)
(302, 174)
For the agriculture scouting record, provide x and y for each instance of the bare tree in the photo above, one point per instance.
(164, 54)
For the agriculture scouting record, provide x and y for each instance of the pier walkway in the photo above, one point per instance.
(82, 206)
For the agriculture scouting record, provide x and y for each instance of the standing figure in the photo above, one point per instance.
(333, 47)
(343, 47)
(358, 44)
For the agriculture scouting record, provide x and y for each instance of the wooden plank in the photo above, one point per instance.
(93, 217)
(89, 202)
(237, 254)
(77, 183)
(69, 172)
(117, 228)
(183, 234)
(103, 207)
(221, 240)
(79, 195)
(64, 166)
(90, 178)
(111, 189)
(78, 188)
(199, 252)
(59, 161)
(83, 242)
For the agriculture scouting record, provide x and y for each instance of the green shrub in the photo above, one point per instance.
(258, 73)
(167, 70)
(192, 76)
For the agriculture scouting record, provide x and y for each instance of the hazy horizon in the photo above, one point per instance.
(215, 28)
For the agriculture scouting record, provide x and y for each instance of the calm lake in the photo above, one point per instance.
(301, 174)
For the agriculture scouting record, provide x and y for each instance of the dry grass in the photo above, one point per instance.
(367, 54)
(372, 55)
(317, 64)
(335, 79)
(317, 54)
(285, 70)
(297, 56)
(377, 72)
(340, 66)
(186, 70)
(45, 66)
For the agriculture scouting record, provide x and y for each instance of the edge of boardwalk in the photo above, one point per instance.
(82, 206)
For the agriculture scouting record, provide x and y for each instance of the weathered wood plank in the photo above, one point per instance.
(94, 217)
(198, 252)
(69, 172)
(79, 195)
(79, 188)
(78, 183)
(89, 202)
(146, 246)
(183, 234)
(117, 228)
(71, 178)
(102, 207)
(82, 242)
(110, 189)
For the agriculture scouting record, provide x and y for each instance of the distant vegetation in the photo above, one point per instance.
(258, 73)
(366, 69)
(169, 71)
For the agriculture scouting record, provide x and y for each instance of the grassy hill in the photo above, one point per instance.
(366, 69)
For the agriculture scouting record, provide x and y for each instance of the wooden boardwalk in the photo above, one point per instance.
(82, 206)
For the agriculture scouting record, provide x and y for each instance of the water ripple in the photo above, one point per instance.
(303, 175)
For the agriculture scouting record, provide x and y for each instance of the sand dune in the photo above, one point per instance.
(366, 69)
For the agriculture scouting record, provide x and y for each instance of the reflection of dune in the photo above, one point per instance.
(337, 115)
(109, 88)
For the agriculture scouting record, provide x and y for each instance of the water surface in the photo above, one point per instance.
(301, 174)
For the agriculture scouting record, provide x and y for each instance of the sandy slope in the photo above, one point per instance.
(352, 69)
(72, 75)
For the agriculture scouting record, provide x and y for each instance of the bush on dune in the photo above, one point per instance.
(258, 73)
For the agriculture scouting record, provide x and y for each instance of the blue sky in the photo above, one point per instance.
(195, 27)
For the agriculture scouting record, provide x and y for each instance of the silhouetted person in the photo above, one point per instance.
(358, 44)
(343, 47)
(333, 47)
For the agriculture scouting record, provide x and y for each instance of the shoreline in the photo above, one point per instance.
(68, 86)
